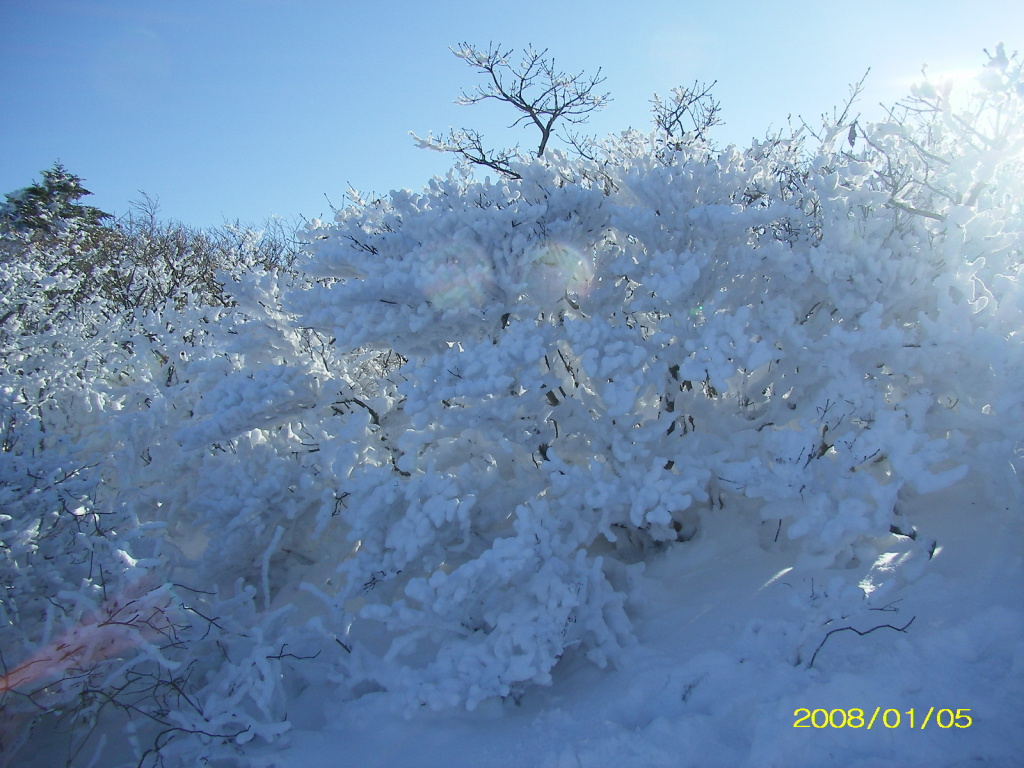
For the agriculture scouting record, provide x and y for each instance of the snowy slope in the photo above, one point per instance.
(713, 681)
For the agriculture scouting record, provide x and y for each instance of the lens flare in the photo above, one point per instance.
(456, 276)
(559, 271)
(121, 623)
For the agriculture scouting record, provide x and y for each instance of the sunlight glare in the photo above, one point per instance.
(559, 270)
(458, 277)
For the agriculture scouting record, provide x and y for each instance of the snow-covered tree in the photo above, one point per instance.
(544, 97)
(43, 208)
(600, 353)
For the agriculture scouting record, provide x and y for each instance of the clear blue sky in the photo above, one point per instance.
(240, 109)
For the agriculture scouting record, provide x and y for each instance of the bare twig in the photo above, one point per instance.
(859, 632)
(544, 96)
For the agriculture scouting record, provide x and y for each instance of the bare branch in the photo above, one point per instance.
(831, 632)
(544, 96)
(469, 145)
(687, 115)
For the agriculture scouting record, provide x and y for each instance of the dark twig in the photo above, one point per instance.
(854, 629)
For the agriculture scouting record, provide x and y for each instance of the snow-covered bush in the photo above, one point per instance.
(147, 262)
(598, 353)
(104, 627)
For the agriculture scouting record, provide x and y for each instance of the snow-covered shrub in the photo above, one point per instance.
(145, 262)
(599, 351)
(104, 625)
(69, 558)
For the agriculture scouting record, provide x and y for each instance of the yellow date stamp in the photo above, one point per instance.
(887, 718)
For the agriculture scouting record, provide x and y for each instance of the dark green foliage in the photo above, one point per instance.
(44, 209)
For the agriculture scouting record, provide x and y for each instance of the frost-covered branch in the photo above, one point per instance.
(545, 97)
(468, 144)
(687, 115)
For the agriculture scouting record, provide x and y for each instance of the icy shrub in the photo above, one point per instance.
(593, 350)
(106, 626)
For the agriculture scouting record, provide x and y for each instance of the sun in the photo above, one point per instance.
(959, 82)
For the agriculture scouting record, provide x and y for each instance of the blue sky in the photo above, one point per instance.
(232, 109)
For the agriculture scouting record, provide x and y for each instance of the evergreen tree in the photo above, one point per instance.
(44, 208)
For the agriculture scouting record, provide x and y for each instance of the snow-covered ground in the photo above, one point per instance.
(713, 680)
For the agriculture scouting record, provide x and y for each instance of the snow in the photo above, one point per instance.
(629, 462)
(713, 680)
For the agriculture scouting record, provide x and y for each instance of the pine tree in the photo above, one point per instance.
(44, 208)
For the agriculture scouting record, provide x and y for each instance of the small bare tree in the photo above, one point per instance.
(545, 96)
(687, 115)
